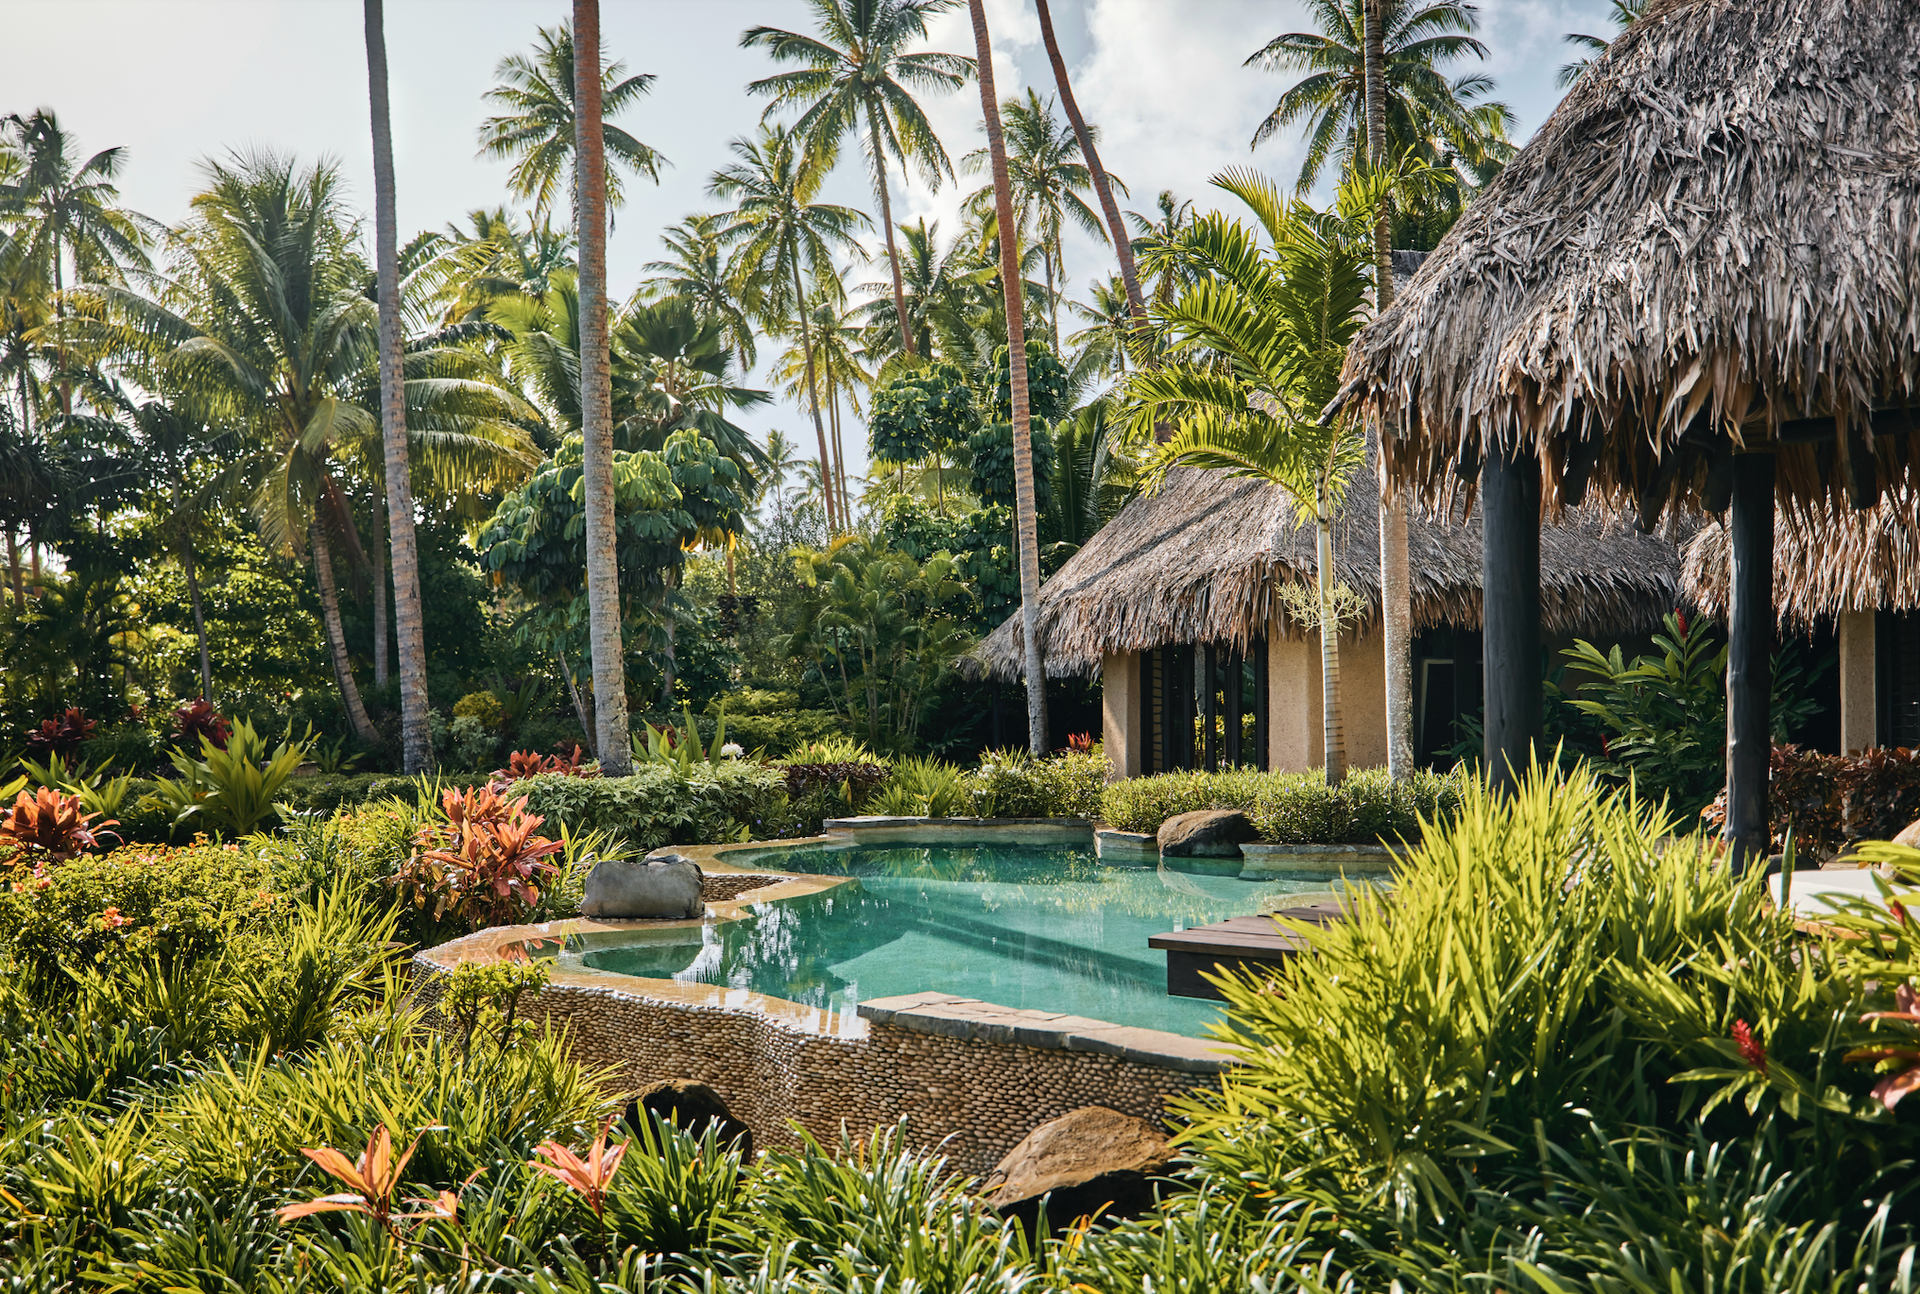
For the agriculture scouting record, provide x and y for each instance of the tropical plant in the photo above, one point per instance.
(856, 78)
(50, 827)
(779, 238)
(1624, 13)
(680, 748)
(231, 788)
(696, 271)
(1048, 174)
(1440, 120)
(198, 719)
(62, 734)
(482, 864)
(1257, 346)
(923, 788)
(538, 127)
(99, 794)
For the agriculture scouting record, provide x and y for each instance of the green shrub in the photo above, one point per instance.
(923, 788)
(174, 905)
(126, 750)
(659, 805)
(144, 821)
(1012, 784)
(1368, 807)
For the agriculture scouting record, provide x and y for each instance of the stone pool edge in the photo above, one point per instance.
(970, 1077)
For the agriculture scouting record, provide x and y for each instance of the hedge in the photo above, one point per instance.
(1367, 808)
(659, 806)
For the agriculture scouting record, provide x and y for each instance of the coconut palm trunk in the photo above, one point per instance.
(886, 225)
(416, 738)
(813, 400)
(1396, 595)
(1122, 245)
(613, 746)
(1332, 732)
(191, 567)
(363, 730)
(14, 578)
(381, 564)
(1026, 525)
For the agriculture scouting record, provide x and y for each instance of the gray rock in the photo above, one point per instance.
(666, 886)
(1207, 833)
(1081, 1161)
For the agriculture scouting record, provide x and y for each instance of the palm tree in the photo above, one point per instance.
(940, 290)
(781, 460)
(855, 78)
(782, 238)
(1154, 238)
(608, 646)
(1116, 229)
(65, 209)
(837, 354)
(1624, 14)
(1025, 517)
(1436, 118)
(538, 128)
(267, 330)
(1110, 321)
(416, 739)
(1048, 177)
(494, 257)
(696, 271)
(1256, 346)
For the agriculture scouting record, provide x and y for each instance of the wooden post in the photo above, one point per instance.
(1510, 601)
(1207, 660)
(1749, 661)
(1261, 758)
(1232, 705)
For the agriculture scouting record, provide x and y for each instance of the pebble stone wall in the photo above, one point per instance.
(979, 1098)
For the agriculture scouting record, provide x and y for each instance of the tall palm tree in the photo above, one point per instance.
(1090, 153)
(940, 290)
(782, 460)
(495, 256)
(695, 270)
(1048, 177)
(782, 239)
(416, 738)
(855, 77)
(1256, 347)
(1624, 14)
(266, 330)
(65, 209)
(1025, 516)
(1438, 119)
(1153, 239)
(607, 644)
(837, 353)
(538, 129)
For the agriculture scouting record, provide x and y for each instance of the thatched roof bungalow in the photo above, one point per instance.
(1697, 285)
(1195, 570)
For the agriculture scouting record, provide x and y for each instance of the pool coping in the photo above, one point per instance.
(928, 1011)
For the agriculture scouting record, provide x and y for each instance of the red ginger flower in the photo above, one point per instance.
(1751, 1049)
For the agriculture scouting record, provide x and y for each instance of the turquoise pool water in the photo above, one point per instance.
(1050, 929)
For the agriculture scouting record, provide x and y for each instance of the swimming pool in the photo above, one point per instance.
(1047, 929)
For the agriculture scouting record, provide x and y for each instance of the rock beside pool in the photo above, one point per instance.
(693, 1107)
(1206, 833)
(662, 887)
(1909, 836)
(1083, 1160)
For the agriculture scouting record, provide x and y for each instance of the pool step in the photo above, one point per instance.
(1238, 943)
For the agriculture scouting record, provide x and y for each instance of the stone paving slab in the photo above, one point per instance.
(969, 1019)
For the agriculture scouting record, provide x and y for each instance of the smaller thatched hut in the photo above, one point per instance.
(1857, 575)
(1176, 604)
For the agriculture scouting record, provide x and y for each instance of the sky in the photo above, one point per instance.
(175, 82)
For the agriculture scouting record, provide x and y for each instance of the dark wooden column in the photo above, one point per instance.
(1207, 666)
(1510, 583)
(1260, 758)
(1232, 706)
(1749, 660)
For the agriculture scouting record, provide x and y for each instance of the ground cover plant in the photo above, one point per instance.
(1365, 808)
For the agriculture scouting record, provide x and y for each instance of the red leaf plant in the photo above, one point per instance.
(1751, 1049)
(589, 1177)
(61, 735)
(1080, 743)
(372, 1181)
(192, 722)
(531, 763)
(51, 827)
(1903, 1075)
(484, 866)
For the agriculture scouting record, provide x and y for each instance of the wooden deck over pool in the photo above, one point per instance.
(1238, 943)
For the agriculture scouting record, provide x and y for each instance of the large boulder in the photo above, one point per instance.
(1206, 833)
(1093, 1160)
(666, 886)
(693, 1107)
(1909, 836)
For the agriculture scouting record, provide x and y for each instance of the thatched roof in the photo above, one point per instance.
(1861, 561)
(1200, 562)
(1714, 239)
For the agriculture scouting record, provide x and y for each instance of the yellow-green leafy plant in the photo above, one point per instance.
(483, 999)
(924, 788)
(230, 790)
(679, 748)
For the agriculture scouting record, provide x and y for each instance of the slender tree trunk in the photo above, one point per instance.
(666, 674)
(582, 706)
(1332, 732)
(363, 730)
(596, 400)
(1053, 303)
(1116, 228)
(380, 569)
(1026, 525)
(1396, 595)
(813, 400)
(886, 224)
(416, 737)
(14, 579)
(199, 619)
(839, 449)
